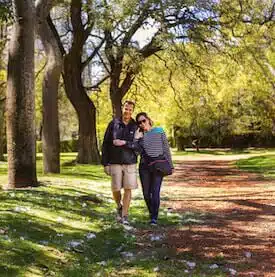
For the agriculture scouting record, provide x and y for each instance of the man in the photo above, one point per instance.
(119, 158)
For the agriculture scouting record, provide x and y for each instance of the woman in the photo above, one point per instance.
(153, 143)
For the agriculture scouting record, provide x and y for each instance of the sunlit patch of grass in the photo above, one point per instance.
(223, 151)
(261, 164)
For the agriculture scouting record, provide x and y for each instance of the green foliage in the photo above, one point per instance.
(210, 94)
(5, 10)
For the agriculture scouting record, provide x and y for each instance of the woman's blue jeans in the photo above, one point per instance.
(151, 183)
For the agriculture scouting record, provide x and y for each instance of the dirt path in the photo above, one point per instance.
(236, 212)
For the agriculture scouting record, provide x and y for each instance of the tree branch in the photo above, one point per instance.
(95, 52)
(98, 83)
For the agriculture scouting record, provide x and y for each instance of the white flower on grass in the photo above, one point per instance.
(75, 243)
(213, 266)
(103, 263)
(60, 219)
(127, 254)
(21, 209)
(12, 194)
(84, 205)
(191, 264)
(6, 237)
(119, 248)
(155, 237)
(22, 238)
(59, 235)
(90, 236)
(186, 271)
(156, 269)
(232, 271)
(43, 242)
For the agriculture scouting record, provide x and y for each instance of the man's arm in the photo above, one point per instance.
(131, 144)
(106, 144)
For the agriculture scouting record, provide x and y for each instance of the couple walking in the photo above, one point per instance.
(124, 139)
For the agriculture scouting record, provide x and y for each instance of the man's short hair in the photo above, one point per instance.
(129, 102)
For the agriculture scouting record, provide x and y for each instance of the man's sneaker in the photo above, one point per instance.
(153, 222)
(124, 220)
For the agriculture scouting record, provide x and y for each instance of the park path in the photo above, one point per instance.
(237, 209)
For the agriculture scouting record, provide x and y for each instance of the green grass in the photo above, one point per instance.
(260, 164)
(39, 226)
(223, 151)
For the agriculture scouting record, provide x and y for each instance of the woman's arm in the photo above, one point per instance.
(134, 145)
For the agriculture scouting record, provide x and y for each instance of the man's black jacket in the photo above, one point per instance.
(119, 154)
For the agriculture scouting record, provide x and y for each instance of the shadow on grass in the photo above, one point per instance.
(29, 242)
(31, 234)
(34, 239)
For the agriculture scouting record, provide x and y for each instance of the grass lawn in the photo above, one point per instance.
(66, 227)
(264, 164)
(224, 151)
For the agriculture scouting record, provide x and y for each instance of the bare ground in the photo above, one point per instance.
(239, 215)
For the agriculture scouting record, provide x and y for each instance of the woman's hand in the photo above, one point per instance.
(119, 142)
(138, 134)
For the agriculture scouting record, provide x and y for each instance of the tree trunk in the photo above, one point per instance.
(21, 98)
(2, 128)
(116, 99)
(87, 142)
(50, 126)
(119, 86)
(3, 40)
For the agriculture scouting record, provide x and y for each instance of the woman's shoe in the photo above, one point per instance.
(153, 222)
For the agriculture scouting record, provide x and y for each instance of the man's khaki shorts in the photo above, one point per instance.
(123, 176)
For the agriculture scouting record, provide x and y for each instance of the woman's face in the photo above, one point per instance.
(143, 123)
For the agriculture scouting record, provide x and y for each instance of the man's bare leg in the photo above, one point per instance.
(126, 201)
(117, 198)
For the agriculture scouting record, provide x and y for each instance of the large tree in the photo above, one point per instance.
(5, 14)
(124, 53)
(206, 23)
(52, 73)
(3, 37)
(20, 98)
(82, 21)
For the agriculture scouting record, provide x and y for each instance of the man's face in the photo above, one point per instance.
(127, 111)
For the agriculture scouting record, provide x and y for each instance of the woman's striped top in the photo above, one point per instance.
(155, 143)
